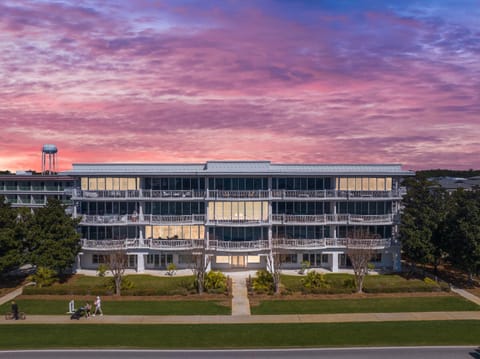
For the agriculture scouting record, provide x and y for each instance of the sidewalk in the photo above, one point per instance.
(248, 319)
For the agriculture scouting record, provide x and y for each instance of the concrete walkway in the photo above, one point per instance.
(245, 319)
(240, 302)
(467, 295)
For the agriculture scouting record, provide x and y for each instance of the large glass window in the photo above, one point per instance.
(238, 211)
(174, 232)
(364, 183)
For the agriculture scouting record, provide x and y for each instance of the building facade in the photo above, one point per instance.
(235, 213)
(30, 190)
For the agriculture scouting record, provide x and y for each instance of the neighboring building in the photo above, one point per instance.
(236, 212)
(30, 190)
(451, 184)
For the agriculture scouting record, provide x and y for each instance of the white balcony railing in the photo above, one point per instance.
(332, 219)
(221, 194)
(238, 245)
(230, 194)
(115, 244)
(285, 243)
(145, 219)
(136, 194)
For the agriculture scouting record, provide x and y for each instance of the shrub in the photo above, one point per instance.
(429, 281)
(43, 277)
(370, 267)
(305, 266)
(314, 280)
(126, 284)
(263, 282)
(215, 282)
(171, 268)
(349, 283)
(102, 270)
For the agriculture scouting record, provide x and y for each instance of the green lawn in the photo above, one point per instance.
(364, 305)
(167, 307)
(373, 284)
(142, 285)
(27, 336)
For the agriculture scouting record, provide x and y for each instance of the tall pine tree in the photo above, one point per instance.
(52, 239)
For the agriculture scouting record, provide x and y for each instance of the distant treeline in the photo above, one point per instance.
(448, 173)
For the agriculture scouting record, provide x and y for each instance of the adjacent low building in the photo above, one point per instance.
(236, 213)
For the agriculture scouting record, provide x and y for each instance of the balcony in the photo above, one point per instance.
(237, 222)
(165, 244)
(146, 219)
(323, 243)
(385, 219)
(137, 194)
(238, 246)
(253, 194)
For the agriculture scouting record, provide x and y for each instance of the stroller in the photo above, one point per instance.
(80, 312)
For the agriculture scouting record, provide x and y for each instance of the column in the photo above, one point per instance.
(334, 262)
(141, 262)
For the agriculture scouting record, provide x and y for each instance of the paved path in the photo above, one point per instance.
(240, 302)
(466, 295)
(248, 319)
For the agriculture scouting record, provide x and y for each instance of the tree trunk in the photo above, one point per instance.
(118, 285)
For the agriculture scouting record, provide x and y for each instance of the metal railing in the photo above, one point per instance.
(232, 194)
(145, 219)
(247, 194)
(116, 244)
(286, 243)
(332, 218)
(238, 245)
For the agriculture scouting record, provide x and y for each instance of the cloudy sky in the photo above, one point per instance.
(324, 81)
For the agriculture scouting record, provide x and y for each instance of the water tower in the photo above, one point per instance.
(49, 159)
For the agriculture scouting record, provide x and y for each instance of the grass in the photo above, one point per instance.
(40, 336)
(162, 307)
(142, 285)
(373, 284)
(364, 305)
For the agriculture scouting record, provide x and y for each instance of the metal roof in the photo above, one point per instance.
(236, 168)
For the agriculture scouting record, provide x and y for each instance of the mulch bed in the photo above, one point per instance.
(256, 299)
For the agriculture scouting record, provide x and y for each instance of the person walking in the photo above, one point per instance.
(88, 309)
(15, 310)
(98, 306)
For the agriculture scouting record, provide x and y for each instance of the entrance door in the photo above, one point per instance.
(237, 261)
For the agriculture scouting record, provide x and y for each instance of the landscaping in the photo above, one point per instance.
(141, 285)
(363, 305)
(40, 336)
(342, 283)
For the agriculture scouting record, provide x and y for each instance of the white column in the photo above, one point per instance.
(140, 211)
(334, 262)
(209, 263)
(141, 262)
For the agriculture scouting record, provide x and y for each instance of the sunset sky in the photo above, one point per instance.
(324, 81)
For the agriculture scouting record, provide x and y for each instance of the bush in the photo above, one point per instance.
(305, 266)
(126, 284)
(263, 282)
(215, 282)
(102, 270)
(314, 280)
(43, 277)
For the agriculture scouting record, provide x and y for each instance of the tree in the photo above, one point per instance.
(51, 237)
(200, 262)
(423, 221)
(12, 232)
(464, 231)
(274, 265)
(360, 249)
(117, 263)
